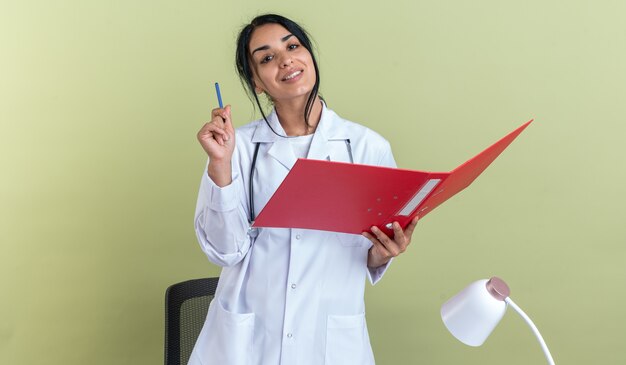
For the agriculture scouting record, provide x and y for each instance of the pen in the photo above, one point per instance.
(219, 95)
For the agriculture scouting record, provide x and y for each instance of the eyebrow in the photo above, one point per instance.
(265, 47)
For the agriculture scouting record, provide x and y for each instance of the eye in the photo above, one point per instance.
(267, 59)
(293, 46)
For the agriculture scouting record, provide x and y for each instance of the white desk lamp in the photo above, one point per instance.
(474, 312)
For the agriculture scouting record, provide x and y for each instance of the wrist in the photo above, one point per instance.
(374, 261)
(220, 172)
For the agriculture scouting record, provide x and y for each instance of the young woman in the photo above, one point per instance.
(285, 296)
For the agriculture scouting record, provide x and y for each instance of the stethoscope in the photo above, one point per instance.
(253, 232)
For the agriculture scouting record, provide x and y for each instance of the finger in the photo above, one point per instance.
(218, 119)
(213, 131)
(222, 120)
(380, 235)
(216, 126)
(218, 112)
(390, 245)
(382, 250)
(398, 237)
(408, 231)
(207, 134)
(373, 239)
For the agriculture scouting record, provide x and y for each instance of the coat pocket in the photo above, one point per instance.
(229, 338)
(347, 341)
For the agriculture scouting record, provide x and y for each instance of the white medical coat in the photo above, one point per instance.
(288, 296)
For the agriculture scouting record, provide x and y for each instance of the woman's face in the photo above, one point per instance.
(282, 66)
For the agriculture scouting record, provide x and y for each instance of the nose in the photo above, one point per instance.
(286, 60)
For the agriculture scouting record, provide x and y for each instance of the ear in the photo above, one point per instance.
(257, 89)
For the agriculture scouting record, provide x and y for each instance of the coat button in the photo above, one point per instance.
(289, 335)
(293, 286)
(297, 236)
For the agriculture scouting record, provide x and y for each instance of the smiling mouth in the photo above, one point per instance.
(292, 75)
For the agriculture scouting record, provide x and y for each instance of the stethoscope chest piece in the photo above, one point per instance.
(253, 232)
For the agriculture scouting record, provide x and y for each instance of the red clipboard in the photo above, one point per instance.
(351, 198)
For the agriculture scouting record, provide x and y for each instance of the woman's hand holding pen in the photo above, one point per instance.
(385, 248)
(217, 138)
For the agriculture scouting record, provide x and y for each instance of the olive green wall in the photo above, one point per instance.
(100, 102)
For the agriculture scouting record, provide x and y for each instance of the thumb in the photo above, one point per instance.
(228, 114)
(228, 123)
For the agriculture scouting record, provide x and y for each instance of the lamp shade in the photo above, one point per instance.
(472, 314)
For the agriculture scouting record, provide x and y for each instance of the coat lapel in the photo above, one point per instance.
(282, 152)
(329, 141)
(280, 149)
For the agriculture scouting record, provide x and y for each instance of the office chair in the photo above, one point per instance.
(186, 306)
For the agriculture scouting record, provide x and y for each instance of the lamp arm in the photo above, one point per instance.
(532, 326)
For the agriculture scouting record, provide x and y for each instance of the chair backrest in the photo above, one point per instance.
(186, 307)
